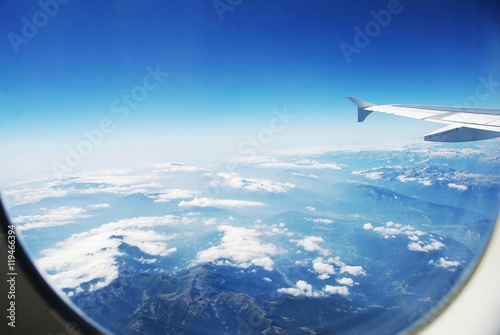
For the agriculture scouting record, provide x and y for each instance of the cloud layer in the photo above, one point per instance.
(303, 289)
(50, 218)
(255, 184)
(92, 255)
(240, 247)
(221, 203)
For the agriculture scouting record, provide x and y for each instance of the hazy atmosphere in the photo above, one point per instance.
(195, 167)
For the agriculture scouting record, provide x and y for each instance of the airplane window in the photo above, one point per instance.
(213, 167)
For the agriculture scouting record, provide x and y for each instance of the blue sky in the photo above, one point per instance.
(225, 77)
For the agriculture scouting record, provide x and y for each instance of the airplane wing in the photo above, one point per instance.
(464, 124)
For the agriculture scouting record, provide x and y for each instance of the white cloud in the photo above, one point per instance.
(91, 255)
(221, 203)
(210, 222)
(99, 206)
(341, 290)
(298, 174)
(392, 229)
(458, 187)
(118, 181)
(355, 270)
(374, 175)
(174, 167)
(335, 260)
(405, 179)
(311, 208)
(143, 260)
(323, 269)
(367, 226)
(255, 184)
(269, 280)
(444, 263)
(171, 194)
(433, 245)
(425, 182)
(345, 281)
(50, 218)
(326, 221)
(302, 164)
(311, 243)
(33, 191)
(240, 247)
(273, 229)
(302, 288)
(264, 262)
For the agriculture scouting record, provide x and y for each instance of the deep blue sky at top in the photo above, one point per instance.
(263, 55)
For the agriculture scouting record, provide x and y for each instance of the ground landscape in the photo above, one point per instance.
(339, 242)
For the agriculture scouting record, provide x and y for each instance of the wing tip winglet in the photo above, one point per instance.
(361, 104)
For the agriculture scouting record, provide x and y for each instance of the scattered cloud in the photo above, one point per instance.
(221, 203)
(354, 270)
(240, 247)
(274, 229)
(391, 229)
(99, 206)
(92, 255)
(367, 226)
(341, 290)
(422, 247)
(210, 222)
(299, 174)
(323, 268)
(255, 184)
(311, 243)
(458, 187)
(425, 182)
(143, 260)
(32, 191)
(302, 288)
(370, 174)
(50, 218)
(444, 263)
(374, 175)
(302, 164)
(326, 221)
(172, 194)
(405, 179)
(123, 181)
(311, 208)
(174, 167)
(345, 281)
